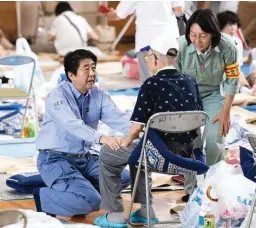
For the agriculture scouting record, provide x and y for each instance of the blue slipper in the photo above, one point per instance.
(103, 222)
(137, 218)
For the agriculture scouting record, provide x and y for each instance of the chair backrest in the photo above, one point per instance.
(178, 122)
(158, 155)
(16, 60)
(21, 79)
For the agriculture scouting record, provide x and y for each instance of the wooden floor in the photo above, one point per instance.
(162, 201)
(122, 48)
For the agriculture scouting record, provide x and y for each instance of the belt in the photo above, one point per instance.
(68, 155)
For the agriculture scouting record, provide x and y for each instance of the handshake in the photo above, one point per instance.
(116, 142)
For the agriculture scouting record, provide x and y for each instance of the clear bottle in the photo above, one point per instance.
(11, 83)
(209, 218)
(25, 130)
(202, 213)
(31, 128)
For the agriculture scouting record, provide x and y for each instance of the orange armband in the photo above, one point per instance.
(232, 71)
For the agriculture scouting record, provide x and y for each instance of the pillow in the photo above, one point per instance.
(25, 182)
(247, 162)
(162, 160)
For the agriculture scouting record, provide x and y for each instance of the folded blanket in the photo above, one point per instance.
(246, 116)
(11, 165)
(243, 99)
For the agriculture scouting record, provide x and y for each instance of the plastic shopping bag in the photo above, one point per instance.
(22, 73)
(189, 217)
(205, 195)
(235, 195)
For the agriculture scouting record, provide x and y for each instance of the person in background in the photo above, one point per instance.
(246, 12)
(166, 90)
(229, 24)
(6, 47)
(207, 54)
(152, 17)
(66, 161)
(69, 31)
(251, 78)
(6, 44)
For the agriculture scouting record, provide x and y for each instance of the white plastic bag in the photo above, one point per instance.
(235, 194)
(220, 171)
(189, 217)
(22, 73)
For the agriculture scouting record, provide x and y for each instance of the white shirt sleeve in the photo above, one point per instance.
(239, 47)
(86, 25)
(89, 28)
(54, 27)
(177, 4)
(240, 53)
(125, 8)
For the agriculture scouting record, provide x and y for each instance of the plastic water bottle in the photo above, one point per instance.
(25, 130)
(31, 128)
(10, 83)
(206, 218)
(209, 218)
(202, 213)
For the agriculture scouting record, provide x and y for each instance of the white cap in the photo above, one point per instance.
(162, 43)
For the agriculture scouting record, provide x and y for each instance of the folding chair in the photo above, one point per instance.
(21, 91)
(169, 122)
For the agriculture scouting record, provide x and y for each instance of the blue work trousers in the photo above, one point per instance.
(72, 183)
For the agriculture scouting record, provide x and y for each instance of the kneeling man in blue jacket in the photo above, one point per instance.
(69, 128)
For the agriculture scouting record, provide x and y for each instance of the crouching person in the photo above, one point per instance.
(68, 130)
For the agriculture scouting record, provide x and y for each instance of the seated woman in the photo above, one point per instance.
(69, 31)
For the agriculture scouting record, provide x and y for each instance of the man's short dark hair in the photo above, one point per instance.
(62, 7)
(208, 22)
(228, 17)
(72, 60)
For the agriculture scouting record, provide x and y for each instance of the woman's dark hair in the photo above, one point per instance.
(62, 7)
(208, 22)
(72, 60)
(228, 17)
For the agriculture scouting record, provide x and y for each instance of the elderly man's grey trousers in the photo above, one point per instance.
(111, 165)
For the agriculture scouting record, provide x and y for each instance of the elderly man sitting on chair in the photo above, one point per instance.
(166, 91)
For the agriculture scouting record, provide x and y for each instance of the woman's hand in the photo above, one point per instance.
(224, 118)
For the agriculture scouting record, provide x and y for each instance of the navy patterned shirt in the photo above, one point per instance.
(168, 91)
